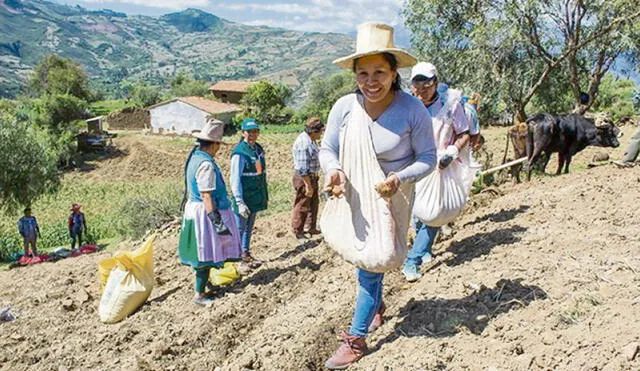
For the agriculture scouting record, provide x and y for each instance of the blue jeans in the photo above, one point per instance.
(368, 301)
(422, 245)
(245, 227)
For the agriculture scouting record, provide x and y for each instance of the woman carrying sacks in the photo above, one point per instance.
(209, 236)
(396, 127)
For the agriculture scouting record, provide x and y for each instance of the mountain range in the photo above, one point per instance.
(114, 46)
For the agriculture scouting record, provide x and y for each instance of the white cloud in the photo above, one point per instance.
(167, 4)
(304, 15)
(283, 8)
(325, 3)
(307, 26)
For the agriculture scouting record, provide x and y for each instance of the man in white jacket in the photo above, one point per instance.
(424, 86)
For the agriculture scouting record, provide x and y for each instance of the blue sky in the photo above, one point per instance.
(308, 15)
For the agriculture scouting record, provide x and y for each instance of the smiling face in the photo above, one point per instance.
(374, 76)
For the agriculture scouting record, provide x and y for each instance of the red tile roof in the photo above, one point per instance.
(230, 85)
(204, 104)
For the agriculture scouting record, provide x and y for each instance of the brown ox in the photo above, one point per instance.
(517, 135)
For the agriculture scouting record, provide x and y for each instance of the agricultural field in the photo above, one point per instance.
(539, 275)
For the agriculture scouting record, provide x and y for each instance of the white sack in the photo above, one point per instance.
(441, 196)
(364, 228)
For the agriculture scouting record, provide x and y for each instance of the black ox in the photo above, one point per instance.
(566, 134)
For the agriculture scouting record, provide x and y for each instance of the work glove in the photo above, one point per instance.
(450, 154)
(243, 209)
(218, 225)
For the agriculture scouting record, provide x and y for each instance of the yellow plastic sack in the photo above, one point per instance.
(127, 280)
(225, 275)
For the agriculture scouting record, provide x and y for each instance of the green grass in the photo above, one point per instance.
(280, 197)
(281, 129)
(118, 210)
(114, 211)
(271, 138)
(104, 107)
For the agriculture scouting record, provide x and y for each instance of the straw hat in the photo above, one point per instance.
(211, 131)
(375, 38)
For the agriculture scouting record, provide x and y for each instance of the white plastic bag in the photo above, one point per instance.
(364, 228)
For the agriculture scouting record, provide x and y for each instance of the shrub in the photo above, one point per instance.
(142, 213)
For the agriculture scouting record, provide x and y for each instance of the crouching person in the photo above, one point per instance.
(209, 236)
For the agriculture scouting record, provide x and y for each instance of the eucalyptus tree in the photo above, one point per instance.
(513, 50)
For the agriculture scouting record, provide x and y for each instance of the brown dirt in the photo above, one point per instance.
(136, 157)
(129, 118)
(540, 275)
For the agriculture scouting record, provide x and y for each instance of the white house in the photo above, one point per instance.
(187, 114)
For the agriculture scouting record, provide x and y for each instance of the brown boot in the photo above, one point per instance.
(377, 319)
(349, 352)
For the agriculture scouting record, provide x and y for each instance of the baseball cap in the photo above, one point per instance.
(249, 124)
(427, 70)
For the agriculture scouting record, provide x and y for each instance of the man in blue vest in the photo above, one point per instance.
(249, 186)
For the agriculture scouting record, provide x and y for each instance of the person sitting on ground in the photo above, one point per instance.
(77, 225)
(249, 187)
(209, 236)
(631, 153)
(305, 179)
(30, 231)
(424, 86)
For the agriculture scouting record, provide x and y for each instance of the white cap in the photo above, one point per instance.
(424, 69)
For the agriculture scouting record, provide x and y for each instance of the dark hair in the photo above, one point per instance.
(313, 125)
(393, 63)
(202, 143)
(26, 209)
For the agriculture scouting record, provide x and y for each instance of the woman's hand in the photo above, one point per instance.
(389, 187)
(335, 182)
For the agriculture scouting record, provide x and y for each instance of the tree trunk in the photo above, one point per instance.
(520, 115)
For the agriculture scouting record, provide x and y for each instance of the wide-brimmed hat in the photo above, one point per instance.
(212, 131)
(375, 38)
